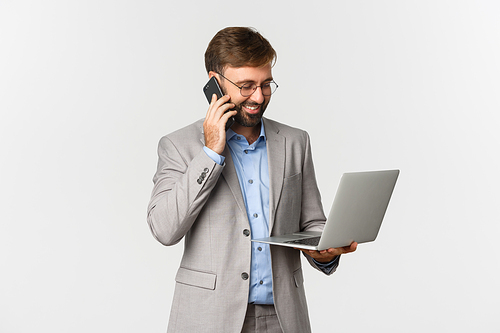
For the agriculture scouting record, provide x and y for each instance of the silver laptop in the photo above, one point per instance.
(356, 214)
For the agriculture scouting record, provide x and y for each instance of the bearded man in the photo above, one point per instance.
(219, 189)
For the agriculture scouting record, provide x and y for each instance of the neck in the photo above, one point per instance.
(250, 133)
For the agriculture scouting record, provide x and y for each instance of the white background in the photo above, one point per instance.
(87, 88)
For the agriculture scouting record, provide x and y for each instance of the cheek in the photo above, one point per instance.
(239, 100)
(266, 102)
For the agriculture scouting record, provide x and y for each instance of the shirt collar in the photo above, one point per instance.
(230, 134)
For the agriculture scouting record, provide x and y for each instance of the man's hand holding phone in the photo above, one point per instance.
(214, 125)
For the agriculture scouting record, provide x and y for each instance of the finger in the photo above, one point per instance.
(217, 110)
(220, 116)
(350, 248)
(225, 117)
(312, 254)
(346, 249)
(214, 98)
(219, 102)
(302, 250)
(222, 106)
(215, 104)
(212, 103)
(226, 108)
(338, 251)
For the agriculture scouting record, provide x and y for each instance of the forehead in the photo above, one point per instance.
(249, 74)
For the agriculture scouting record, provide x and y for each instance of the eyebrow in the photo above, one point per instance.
(243, 82)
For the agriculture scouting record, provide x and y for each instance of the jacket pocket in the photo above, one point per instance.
(298, 278)
(194, 278)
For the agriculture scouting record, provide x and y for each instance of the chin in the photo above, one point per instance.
(249, 120)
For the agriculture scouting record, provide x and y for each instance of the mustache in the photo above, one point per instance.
(251, 104)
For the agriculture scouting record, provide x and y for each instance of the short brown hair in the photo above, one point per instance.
(238, 47)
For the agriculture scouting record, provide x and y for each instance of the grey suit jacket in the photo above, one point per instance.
(198, 200)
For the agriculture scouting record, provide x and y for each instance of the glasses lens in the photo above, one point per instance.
(248, 89)
(267, 89)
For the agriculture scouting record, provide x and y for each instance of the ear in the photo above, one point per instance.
(211, 74)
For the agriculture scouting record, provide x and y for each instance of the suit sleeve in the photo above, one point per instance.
(181, 189)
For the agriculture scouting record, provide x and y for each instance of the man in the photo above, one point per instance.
(219, 189)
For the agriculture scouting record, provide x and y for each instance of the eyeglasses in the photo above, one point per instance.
(248, 89)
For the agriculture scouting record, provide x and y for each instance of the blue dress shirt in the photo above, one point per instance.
(251, 164)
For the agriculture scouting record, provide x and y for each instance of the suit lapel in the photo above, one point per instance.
(276, 160)
(231, 177)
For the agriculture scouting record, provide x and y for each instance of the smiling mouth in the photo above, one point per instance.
(252, 108)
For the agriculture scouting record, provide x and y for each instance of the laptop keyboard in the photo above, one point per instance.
(314, 241)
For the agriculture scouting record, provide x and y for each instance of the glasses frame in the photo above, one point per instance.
(237, 86)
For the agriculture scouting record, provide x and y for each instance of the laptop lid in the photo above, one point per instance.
(357, 212)
(359, 207)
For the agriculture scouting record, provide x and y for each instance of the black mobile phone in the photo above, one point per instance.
(212, 87)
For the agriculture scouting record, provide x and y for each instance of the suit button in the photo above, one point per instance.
(200, 180)
(246, 232)
(206, 170)
(244, 276)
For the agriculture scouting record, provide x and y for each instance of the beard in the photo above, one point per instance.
(246, 119)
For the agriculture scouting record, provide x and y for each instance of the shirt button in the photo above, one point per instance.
(259, 248)
(255, 215)
(251, 181)
(261, 282)
(246, 151)
(246, 232)
(244, 276)
(238, 138)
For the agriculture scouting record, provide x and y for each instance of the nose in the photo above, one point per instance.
(257, 96)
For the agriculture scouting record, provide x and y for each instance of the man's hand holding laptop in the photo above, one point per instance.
(328, 255)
